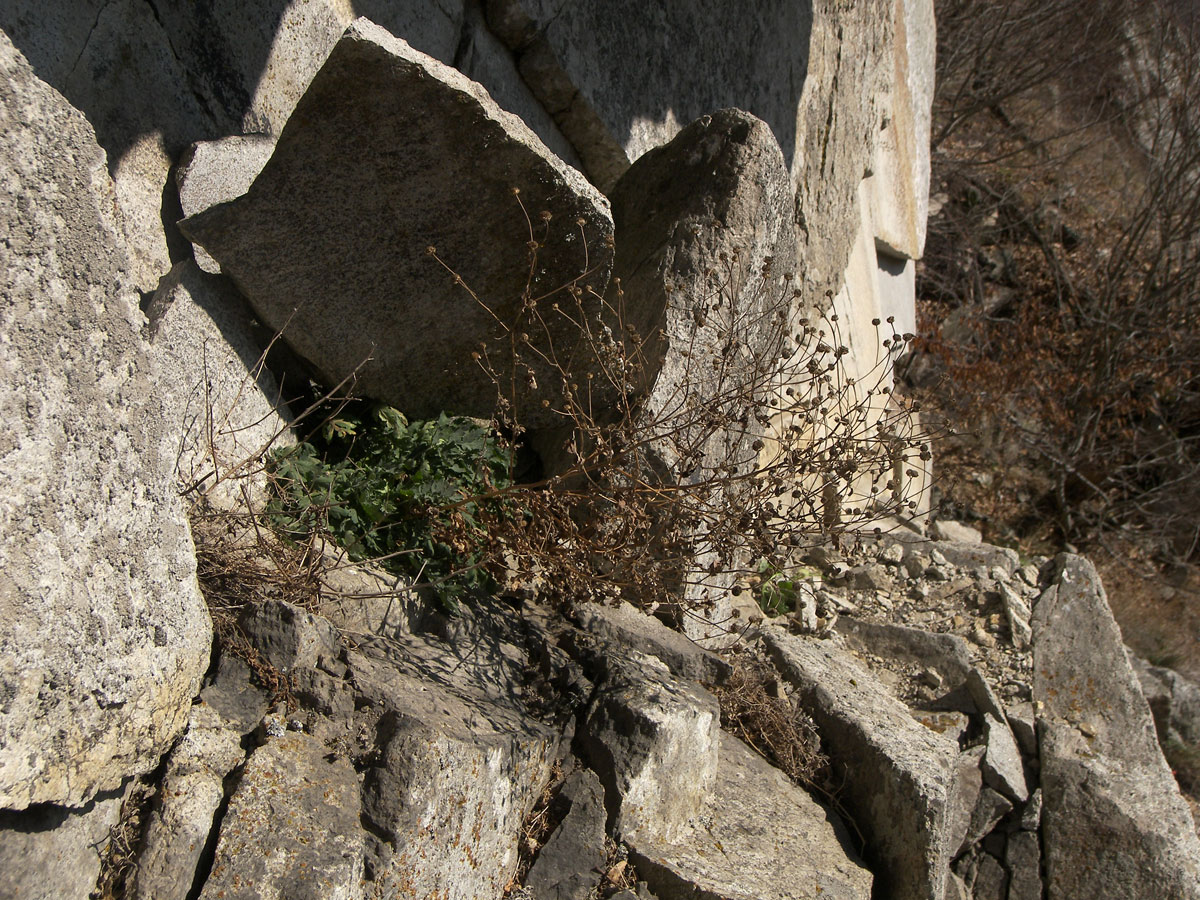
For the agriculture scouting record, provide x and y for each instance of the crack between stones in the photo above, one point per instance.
(88, 41)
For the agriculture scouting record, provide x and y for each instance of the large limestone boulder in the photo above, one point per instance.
(154, 79)
(103, 633)
(705, 253)
(455, 754)
(329, 244)
(1114, 822)
(697, 220)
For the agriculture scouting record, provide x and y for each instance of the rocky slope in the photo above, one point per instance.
(344, 736)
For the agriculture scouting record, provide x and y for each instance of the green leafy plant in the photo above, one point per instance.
(777, 591)
(417, 498)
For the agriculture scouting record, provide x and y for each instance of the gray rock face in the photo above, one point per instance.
(900, 776)
(292, 828)
(626, 626)
(103, 633)
(577, 60)
(287, 636)
(760, 838)
(1174, 702)
(1002, 763)
(329, 245)
(213, 172)
(190, 795)
(1023, 854)
(690, 264)
(457, 756)
(966, 797)
(54, 852)
(719, 188)
(571, 863)
(837, 121)
(1114, 823)
(155, 79)
(653, 741)
(222, 406)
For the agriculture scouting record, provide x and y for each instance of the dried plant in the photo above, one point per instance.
(679, 468)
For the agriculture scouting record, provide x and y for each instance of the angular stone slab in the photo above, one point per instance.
(572, 862)
(629, 627)
(103, 633)
(697, 220)
(1002, 767)
(653, 741)
(901, 777)
(292, 828)
(192, 791)
(762, 838)
(461, 757)
(1114, 823)
(53, 852)
(213, 172)
(329, 244)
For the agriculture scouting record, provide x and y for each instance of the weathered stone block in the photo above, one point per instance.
(103, 632)
(329, 245)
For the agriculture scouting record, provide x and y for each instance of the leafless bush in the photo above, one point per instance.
(780, 732)
(1063, 264)
(762, 444)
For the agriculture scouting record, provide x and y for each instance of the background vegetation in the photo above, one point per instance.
(1060, 294)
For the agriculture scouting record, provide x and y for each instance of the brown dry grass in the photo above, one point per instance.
(772, 726)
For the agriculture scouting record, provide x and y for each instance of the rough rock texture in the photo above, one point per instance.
(760, 837)
(628, 627)
(222, 407)
(1174, 702)
(1002, 763)
(572, 862)
(292, 828)
(288, 637)
(837, 121)
(719, 187)
(191, 793)
(653, 741)
(103, 634)
(213, 172)
(900, 776)
(392, 316)
(457, 755)
(609, 72)
(899, 185)
(53, 852)
(1114, 821)
(155, 78)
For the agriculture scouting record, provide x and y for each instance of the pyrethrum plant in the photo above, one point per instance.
(684, 459)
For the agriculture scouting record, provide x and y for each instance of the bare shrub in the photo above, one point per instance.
(1062, 267)
(762, 444)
